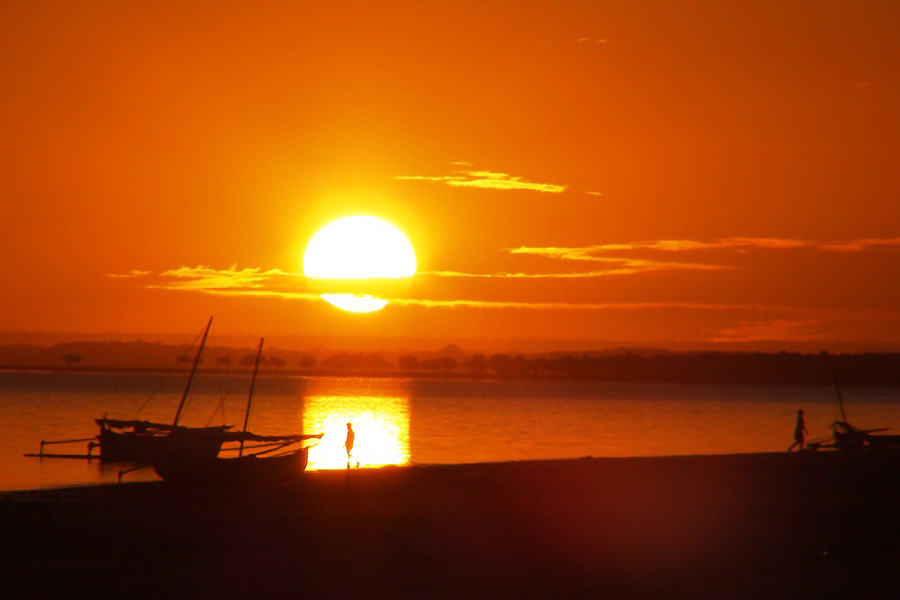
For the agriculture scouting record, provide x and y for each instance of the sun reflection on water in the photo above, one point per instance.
(381, 425)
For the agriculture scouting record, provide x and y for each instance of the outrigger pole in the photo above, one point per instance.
(187, 388)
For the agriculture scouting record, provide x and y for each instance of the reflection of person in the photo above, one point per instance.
(348, 444)
(799, 432)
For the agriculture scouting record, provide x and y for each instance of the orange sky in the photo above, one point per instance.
(687, 172)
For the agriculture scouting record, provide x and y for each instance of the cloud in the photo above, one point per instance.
(805, 324)
(235, 282)
(256, 293)
(487, 180)
(587, 306)
(590, 40)
(731, 243)
(590, 252)
(620, 265)
(207, 278)
(256, 282)
(132, 274)
(602, 260)
(751, 322)
(213, 280)
(617, 266)
(777, 330)
(861, 245)
(225, 282)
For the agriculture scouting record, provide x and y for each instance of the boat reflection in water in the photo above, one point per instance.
(381, 425)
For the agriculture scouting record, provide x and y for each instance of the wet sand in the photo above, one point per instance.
(811, 525)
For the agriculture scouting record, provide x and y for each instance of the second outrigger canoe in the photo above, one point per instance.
(280, 464)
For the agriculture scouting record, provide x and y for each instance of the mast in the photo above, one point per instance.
(187, 388)
(837, 386)
(250, 397)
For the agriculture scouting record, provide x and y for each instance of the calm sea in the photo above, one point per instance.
(405, 421)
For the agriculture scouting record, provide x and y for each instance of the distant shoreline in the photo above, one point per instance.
(454, 376)
(624, 365)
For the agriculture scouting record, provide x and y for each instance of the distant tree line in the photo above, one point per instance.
(622, 364)
(788, 368)
(675, 367)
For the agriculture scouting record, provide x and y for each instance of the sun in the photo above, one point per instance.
(357, 248)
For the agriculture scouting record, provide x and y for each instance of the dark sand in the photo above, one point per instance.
(812, 525)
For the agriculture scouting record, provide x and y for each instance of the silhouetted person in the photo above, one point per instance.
(799, 432)
(348, 444)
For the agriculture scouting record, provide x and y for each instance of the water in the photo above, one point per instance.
(403, 421)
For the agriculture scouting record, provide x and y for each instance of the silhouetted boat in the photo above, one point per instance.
(140, 442)
(262, 469)
(847, 437)
(252, 470)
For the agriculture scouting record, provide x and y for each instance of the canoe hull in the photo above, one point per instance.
(246, 471)
(145, 448)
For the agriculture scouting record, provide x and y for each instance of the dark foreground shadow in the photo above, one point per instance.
(806, 525)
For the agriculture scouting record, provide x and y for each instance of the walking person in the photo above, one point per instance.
(800, 432)
(348, 443)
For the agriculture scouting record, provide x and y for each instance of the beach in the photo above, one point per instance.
(802, 525)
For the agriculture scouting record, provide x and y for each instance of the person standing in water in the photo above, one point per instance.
(800, 432)
(348, 443)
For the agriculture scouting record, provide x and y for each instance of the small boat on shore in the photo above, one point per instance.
(846, 437)
(253, 470)
(278, 461)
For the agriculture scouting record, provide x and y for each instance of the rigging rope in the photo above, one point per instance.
(163, 379)
(224, 397)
